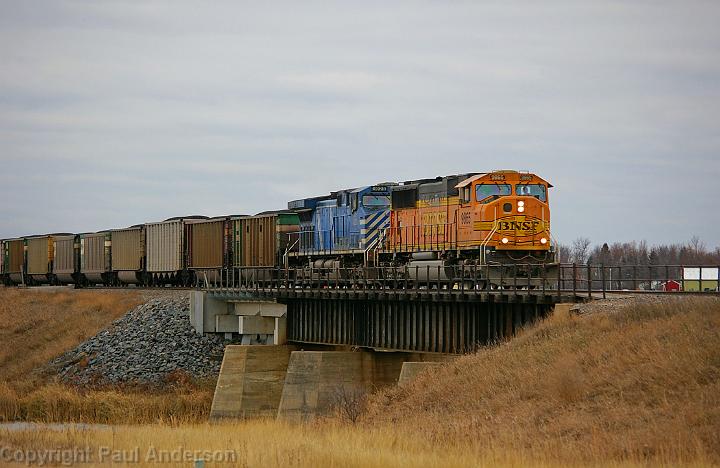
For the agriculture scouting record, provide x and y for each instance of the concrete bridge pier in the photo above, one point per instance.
(251, 381)
(317, 381)
(298, 385)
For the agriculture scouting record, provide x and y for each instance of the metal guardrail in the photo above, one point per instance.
(528, 278)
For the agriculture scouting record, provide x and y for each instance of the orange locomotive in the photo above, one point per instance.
(475, 220)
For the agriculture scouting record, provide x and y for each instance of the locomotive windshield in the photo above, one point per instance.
(372, 201)
(483, 191)
(538, 191)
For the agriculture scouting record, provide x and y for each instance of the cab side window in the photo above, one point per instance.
(465, 195)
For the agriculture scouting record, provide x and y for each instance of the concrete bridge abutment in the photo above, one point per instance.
(318, 381)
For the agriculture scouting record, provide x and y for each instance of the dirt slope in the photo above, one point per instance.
(37, 324)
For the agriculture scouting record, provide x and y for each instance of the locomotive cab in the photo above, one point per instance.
(505, 211)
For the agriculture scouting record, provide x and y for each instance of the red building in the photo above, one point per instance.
(671, 285)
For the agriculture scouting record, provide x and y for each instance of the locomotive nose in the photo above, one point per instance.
(523, 224)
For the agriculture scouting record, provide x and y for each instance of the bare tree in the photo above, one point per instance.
(604, 254)
(562, 253)
(580, 250)
(697, 248)
(349, 401)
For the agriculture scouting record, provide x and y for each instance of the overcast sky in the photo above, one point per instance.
(116, 113)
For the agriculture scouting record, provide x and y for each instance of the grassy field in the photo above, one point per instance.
(39, 324)
(638, 386)
(275, 444)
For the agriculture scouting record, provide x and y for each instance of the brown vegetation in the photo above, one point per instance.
(639, 384)
(38, 324)
(614, 386)
(261, 443)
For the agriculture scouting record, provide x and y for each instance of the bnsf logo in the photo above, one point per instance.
(518, 225)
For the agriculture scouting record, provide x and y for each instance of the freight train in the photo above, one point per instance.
(495, 224)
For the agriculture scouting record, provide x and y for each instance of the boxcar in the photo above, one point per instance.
(127, 261)
(95, 265)
(66, 259)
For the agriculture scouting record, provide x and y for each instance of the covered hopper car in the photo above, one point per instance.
(66, 264)
(127, 255)
(94, 258)
(14, 261)
(39, 260)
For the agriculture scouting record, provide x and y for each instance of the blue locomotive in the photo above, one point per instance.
(346, 224)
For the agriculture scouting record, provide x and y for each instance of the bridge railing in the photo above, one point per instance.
(517, 278)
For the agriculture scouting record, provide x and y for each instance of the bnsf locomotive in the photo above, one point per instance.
(494, 226)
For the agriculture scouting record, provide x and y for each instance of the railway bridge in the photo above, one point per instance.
(452, 321)
(307, 335)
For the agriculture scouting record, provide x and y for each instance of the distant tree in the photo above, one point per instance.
(562, 253)
(693, 252)
(642, 252)
(604, 254)
(715, 256)
(696, 250)
(580, 250)
(654, 257)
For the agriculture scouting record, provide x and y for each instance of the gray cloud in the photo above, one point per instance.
(113, 113)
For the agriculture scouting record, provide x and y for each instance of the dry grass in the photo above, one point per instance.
(39, 324)
(637, 387)
(275, 444)
(641, 385)
(61, 403)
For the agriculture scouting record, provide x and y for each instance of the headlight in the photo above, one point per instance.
(504, 240)
(543, 241)
(521, 209)
(521, 203)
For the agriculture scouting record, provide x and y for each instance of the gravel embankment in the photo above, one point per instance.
(617, 302)
(151, 345)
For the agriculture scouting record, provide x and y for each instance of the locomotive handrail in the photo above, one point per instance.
(485, 242)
